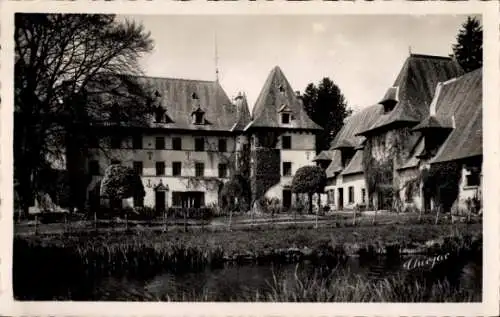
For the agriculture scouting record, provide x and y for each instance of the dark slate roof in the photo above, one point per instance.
(354, 124)
(416, 84)
(434, 122)
(335, 166)
(462, 101)
(243, 113)
(324, 156)
(176, 97)
(355, 166)
(275, 93)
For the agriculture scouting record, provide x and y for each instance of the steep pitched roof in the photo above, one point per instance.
(324, 156)
(355, 166)
(276, 93)
(461, 100)
(354, 124)
(416, 84)
(434, 122)
(243, 113)
(177, 97)
(335, 166)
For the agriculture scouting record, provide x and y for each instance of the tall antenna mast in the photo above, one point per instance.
(216, 58)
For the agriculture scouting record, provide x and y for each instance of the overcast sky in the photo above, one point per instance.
(361, 54)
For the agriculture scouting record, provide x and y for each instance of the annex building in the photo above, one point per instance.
(431, 115)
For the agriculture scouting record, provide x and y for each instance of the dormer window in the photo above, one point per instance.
(198, 116)
(390, 99)
(285, 118)
(285, 114)
(194, 96)
(159, 115)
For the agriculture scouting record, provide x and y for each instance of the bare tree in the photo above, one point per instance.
(71, 72)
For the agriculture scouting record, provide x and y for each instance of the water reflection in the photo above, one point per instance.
(230, 282)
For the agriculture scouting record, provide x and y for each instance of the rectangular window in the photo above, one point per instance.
(286, 142)
(351, 194)
(285, 118)
(137, 165)
(287, 168)
(176, 168)
(363, 195)
(188, 199)
(137, 142)
(160, 143)
(160, 168)
(473, 179)
(199, 169)
(116, 162)
(199, 144)
(287, 198)
(222, 145)
(94, 168)
(222, 170)
(176, 144)
(116, 142)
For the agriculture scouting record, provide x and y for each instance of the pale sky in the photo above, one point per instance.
(361, 54)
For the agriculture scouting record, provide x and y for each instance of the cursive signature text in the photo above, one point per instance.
(415, 263)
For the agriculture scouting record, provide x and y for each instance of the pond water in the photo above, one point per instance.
(227, 283)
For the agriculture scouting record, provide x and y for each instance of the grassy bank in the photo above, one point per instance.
(77, 258)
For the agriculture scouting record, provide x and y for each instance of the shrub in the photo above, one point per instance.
(236, 193)
(310, 180)
(121, 182)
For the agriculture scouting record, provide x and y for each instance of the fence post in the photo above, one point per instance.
(126, 221)
(164, 220)
(185, 219)
(65, 223)
(36, 225)
(95, 221)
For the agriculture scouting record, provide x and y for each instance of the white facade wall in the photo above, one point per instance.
(344, 182)
(302, 153)
(188, 157)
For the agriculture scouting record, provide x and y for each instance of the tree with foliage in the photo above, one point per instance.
(469, 47)
(121, 182)
(309, 180)
(326, 105)
(69, 75)
(236, 194)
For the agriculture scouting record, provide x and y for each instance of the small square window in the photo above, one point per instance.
(137, 142)
(94, 168)
(285, 118)
(222, 145)
(199, 169)
(363, 195)
(116, 142)
(286, 142)
(222, 170)
(176, 144)
(160, 143)
(198, 118)
(199, 144)
(137, 165)
(160, 168)
(116, 162)
(176, 168)
(287, 168)
(473, 179)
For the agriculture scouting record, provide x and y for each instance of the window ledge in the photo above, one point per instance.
(471, 187)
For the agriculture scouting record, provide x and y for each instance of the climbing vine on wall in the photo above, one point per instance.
(441, 182)
(266, 173)
(381, 153)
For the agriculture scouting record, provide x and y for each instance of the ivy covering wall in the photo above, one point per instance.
(441, 183)
(382, 154)
(265, 170)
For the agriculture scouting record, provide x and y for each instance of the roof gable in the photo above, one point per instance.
(461, 101)
(277, 94)
(416, 84)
